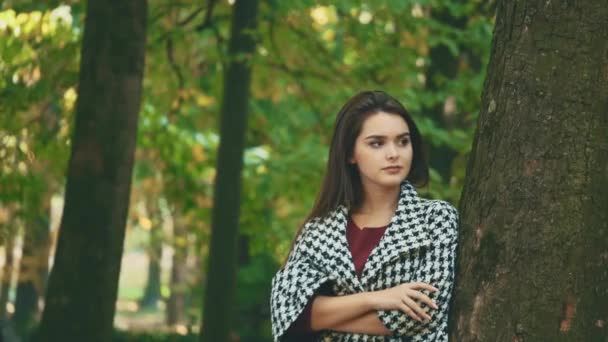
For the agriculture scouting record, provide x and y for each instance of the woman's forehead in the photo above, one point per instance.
(384, 124)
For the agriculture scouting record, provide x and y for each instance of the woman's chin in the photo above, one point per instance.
(387, 181)
(391, 182)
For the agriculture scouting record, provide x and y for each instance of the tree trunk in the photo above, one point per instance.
(176, 306)
(151, 294)
(7, 272)
(33, 267)
(533, 254)
(82, 288)
(219, 292)
(152, 291)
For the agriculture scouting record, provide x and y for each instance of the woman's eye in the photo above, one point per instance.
(375, 144)
(404, 142)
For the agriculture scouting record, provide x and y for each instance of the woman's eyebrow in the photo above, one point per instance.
(376, 136)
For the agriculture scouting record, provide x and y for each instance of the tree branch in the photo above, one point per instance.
(207, 22)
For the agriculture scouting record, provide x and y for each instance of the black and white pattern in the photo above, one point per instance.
(419, 245)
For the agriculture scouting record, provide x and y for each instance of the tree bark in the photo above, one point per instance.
(82, 288)
(219, 294)
(533, 256)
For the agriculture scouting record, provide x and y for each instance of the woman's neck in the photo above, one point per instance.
(378, 200)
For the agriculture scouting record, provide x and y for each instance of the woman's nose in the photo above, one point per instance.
(391, 152)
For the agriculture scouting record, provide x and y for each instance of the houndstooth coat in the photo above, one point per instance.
(419, 245)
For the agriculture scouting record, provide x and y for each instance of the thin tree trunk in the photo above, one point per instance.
(83, 284)
(7, 273)
(176, 306)
(533, 257)
(151, 294)
(155, 249)
(33, 266)
(220, 288)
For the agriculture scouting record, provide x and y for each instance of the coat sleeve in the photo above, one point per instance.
(437, 268)
(294, 285)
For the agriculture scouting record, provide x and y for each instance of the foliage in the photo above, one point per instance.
(38, 70)
(311, 56)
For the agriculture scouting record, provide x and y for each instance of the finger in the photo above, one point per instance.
(407, 310)
(417, 309)
(424, 298)
(426, 286)
(421, 285)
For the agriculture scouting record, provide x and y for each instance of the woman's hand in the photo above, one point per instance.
(403, 297)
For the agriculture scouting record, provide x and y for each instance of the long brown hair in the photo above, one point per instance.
(342, 182)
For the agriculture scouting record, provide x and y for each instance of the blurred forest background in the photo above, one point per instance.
(310, 57)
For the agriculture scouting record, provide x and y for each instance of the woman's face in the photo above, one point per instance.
(383, 150)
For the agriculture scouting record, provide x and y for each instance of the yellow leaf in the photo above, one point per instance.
(145, 223)
(69, 98)
(261, 169)
(323, 15)
(283, 207)
(198, 153)
(328, 35)
(23, 147)
(7, 19)
(181, 241)
(203, 100)
(22, 167)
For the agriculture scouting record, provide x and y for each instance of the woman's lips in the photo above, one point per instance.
(392, 169)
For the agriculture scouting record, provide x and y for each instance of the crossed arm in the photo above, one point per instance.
(392, 311)
(357, 313)
(352, 313)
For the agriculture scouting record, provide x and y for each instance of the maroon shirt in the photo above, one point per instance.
(361, 242)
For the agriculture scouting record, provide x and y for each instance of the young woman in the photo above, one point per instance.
(373, 261)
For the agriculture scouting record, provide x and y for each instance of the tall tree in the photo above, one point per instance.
(82, 288)
(221, 279)
(534, 209)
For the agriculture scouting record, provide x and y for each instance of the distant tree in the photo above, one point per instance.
(176, 303)
(152, 293)
(8, 234)
(221, 277)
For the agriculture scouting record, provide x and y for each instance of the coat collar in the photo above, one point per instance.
(405, 233)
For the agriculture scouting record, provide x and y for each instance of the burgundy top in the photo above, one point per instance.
(361, 242)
